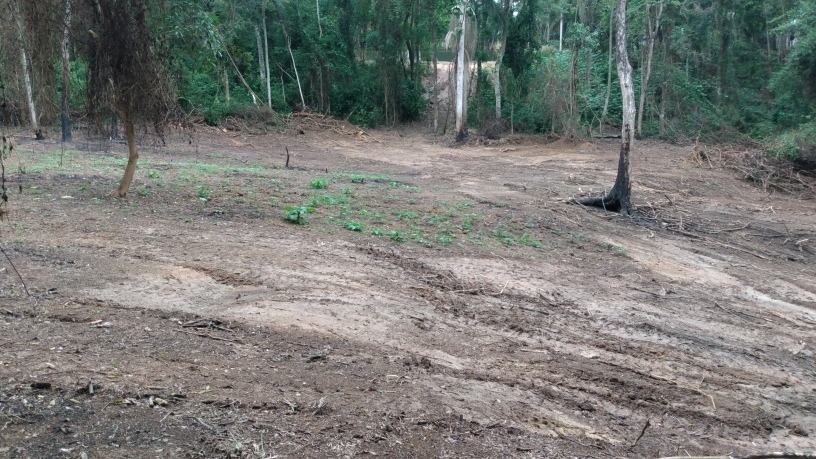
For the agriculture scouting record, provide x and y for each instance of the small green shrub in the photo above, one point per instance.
(204, 193)
(318, 183)
(353, 225)
(297, 214)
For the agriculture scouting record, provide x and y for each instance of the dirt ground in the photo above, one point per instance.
(436, 302)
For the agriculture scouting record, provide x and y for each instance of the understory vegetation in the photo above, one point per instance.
(710, 70)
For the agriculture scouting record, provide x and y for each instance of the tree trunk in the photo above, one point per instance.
(434, 51)
(133, 154)
(266, 59)
(259, 43)
(66, 76)
(500, 57)
(24, 61)
(608, 78)
(461, 79)
(651, 35)
(561, 33)
(619, 198)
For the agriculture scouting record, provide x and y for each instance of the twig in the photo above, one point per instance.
(25, 287)
(642, 432)
(205, 335)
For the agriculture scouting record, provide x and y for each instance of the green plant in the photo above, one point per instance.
(405, 215)
(204, 193)
(348, 190)
(318, 183)
(353, 225)
(443, 238)
(467, 223)
(152, 174)
(297, 214)
(396, 236)
(143, 192)
(528, 240)
(377, 232)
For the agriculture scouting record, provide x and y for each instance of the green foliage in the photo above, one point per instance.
(318, 183)
(204, 193)
(797, 144)
(353, 225)
(297, 214)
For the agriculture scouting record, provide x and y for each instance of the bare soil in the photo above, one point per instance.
(438, 302)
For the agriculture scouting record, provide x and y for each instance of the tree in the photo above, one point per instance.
(619, 197)
(124, 73)
(462, 72)
(25, 63)
(500, 55)
(65, 118)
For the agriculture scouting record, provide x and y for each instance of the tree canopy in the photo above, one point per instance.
(702, 68)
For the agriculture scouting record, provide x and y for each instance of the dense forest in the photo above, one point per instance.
(711, 69)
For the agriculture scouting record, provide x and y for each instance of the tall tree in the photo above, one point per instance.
(505, 28)
(65, 117)
(619, 197)
(124, 72)
(25, 63)
(652, 23)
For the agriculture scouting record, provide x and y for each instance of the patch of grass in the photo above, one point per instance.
(153, 174)
(204, 193)
(353, 225)
(297, 214)
(405, 215)
(443, 238)
(501, 233)
(318, 183)
(143, 192)
(530, 241)
(463, 205)
(347, 190)
(394, 184)
(376, 232)
(435, 219)
(396, 236)
(467, 223)
(326, 200)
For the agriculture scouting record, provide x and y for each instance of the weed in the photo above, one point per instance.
(348, 190)
(394, 184)
(363, 212)
(377, 232)
(467, 223)
(143, 192)
(435, 219)
(443, 238)
(318, 183)
(353, 225)
(620, 252)
(326, 200)
(405, 215)
(462, 205)
(501, 233)
(297, 214)
(153, 174)
(528, 240)
(396, 236)
(204, 193)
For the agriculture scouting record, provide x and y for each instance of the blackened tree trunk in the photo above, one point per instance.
(619, 198)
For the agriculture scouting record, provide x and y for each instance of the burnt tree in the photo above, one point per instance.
(125, 74)
(619, 198)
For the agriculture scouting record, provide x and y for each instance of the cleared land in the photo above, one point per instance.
(437, 302)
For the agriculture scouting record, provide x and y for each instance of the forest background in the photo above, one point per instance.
(717, 70)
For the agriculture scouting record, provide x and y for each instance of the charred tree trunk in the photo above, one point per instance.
(619, 198)
(133, 155)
